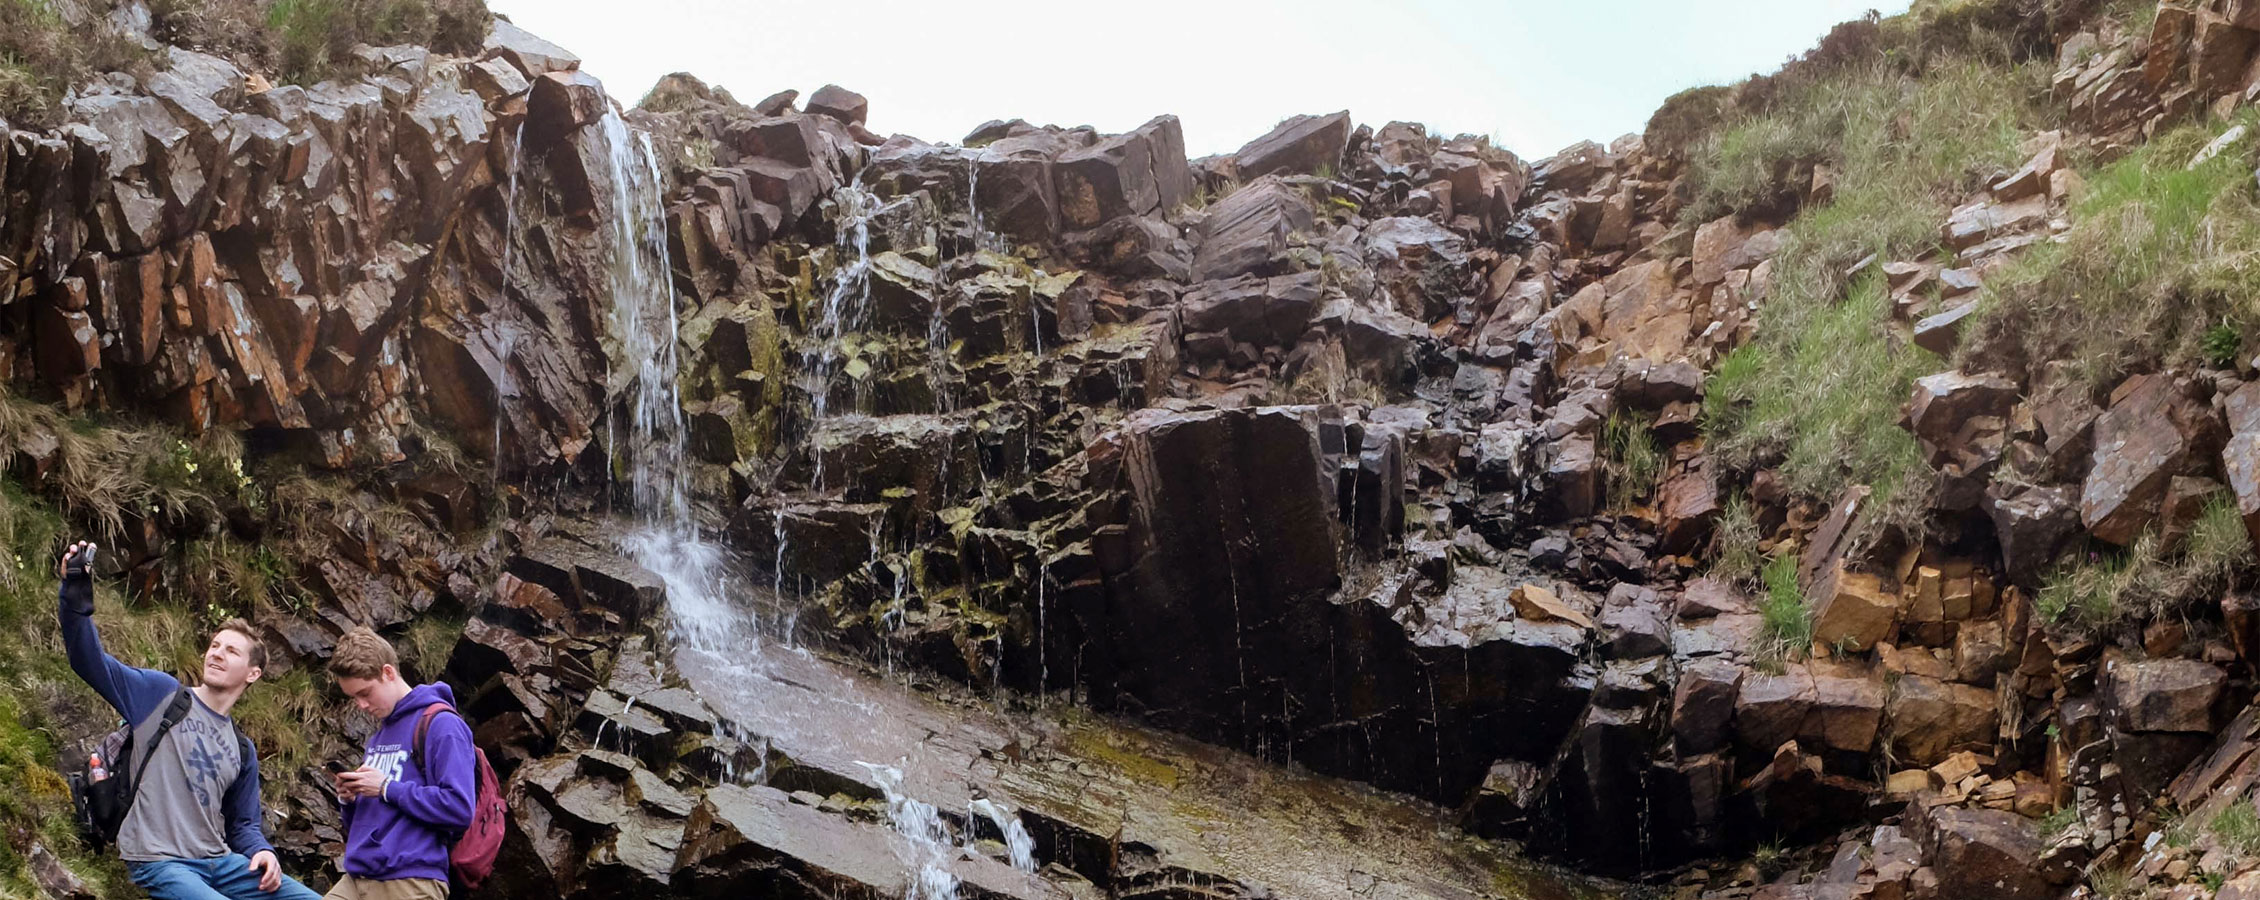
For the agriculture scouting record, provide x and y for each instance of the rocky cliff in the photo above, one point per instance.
(1855, 463)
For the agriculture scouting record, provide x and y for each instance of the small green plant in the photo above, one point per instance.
(2222, 343)
(2057, 820)
(1633, 462)
(1787, 619)
(1770, 860)
(2237, 828)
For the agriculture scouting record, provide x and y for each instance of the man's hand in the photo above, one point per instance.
(361, 782)
(63, 566)
(269, 869)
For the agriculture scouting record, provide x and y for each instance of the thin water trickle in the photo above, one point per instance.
(930, 848)
(506, 337)
(973, 193)
(845, 306)
(1019, 846)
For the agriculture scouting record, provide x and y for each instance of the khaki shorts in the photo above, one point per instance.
(351, 888)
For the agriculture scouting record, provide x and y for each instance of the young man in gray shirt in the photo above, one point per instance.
(194, 830)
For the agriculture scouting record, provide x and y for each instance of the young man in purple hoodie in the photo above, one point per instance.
(406, 804)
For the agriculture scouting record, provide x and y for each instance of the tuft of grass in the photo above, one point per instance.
(2115, 884)
(1787, 619)
(1736, 557)
(106, 474)
(2157, 270)
(2057, 820)
(2237, 829)
(282, 714)
(1818, 391)
(425, 649)
(1770, 859)
(1633, 462)
(2149, 580)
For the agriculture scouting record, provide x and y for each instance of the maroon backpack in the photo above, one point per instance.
(471, 860)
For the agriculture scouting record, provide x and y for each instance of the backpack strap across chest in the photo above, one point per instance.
(152, 731)
(424, 724)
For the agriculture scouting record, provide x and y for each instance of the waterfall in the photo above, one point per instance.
(644, 319)
(652, 457)
(654, 453)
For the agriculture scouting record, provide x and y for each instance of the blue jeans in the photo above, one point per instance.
(219, 878)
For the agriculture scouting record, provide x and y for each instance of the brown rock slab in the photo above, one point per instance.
(1301, 145)
(1940, 332)
(1932, 718)
(1861, 611)
(2138, 449)
(1771, 709)
(755, 841)
(1703, 705)
(2164, 694)
(1983, 853)
(840, 103)
(1847, 711)
(1531, 601)
(1708, 596)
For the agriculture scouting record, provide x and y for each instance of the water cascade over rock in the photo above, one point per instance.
(1052, 515)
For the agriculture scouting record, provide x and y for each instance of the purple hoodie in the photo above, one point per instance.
(407, 832)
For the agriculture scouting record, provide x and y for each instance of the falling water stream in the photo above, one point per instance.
(666, 538)
(506, 335)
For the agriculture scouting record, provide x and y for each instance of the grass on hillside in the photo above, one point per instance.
(42, 55)
(1818, 391)
(2159, 269)
(305, 41)
(2149, 580)
(1787, 618)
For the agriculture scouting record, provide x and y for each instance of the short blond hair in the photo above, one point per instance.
(362, 654)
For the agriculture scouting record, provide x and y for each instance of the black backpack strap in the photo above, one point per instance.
(173, 714)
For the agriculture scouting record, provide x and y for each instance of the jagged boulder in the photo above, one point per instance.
(1931, 718)
(2147, 436)
(1136, 173)
(1983, 853)
(2165, 694)
(840, 103)
(1301, 145)
(1247, 232)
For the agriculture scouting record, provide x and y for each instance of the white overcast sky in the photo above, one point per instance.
(1536, 75)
